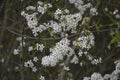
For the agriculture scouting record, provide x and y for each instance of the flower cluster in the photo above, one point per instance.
(42, 8)
(42, 78)
(30, 64)
(62, 24)
(113, 76)
(85, 41)
(96, 61)
(79, 4)
(16, 51)
(57, 53)
(32, 20)
(38, 47)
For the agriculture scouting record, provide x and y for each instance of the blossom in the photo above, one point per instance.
(75, 60)
(16, 51)
(41, 9)
(35, 59)
(57, 53)
(30, 48)
(42, 78)
(34, 69)
(66, 68)
(58, 11)
(93, 11)
(96, 61)
(39, 47)
(85, 41)
(29, 63)
(96, 76)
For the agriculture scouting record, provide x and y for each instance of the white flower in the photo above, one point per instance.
(85, 41)
(75, 60)
(66, 68)
(58, 11)
(41, 9)
(96, 61)
(49, 5)
(67, 11)
(96, 76)
(26, 64)
(57, 53)
(45, 61)
(81, 64)
(30, 48)
(93, 11)
(35, 59)
(80, 53)
(22, 43)
(106, 9)
(115, 11)
(16, 51)
(42, 78)
(118, 66)
(114, 75)
(39, 47)
(29, 63)
(34, 69)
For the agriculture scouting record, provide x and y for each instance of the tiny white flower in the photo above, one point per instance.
(39, 47)
(30, 48)
(16, 51)
(93, 11)
(34, 69)
(49, 5)
(81, 64)
(26, 64)
(35, 59)
(30, 63)
(22, 43)
(67, 11)
(42, 78)
(75, 60)
(115, 11)
(66, 68)
(58, 11)
(96, 76)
